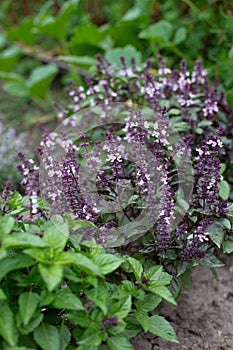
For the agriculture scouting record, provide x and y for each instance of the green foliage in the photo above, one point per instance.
(174, 29)
(59, 294)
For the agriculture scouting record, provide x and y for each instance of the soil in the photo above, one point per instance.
(203, 318)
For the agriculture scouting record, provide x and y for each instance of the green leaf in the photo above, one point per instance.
(80, 260)
(77, 224)
(23, 240)
(23, 32)
(186, 279)
(65, 336)
(9, 57)
(80, 318)
(223, 167)
(65, 299)
(226, 223)
(135, 267)
(32, 325)
(227, 246)
(7, 325)
(6, 225)
(230, 53)
(129, 287)
(87, 33)
(159, 32)
(42, 255)
(216, 233)
(13, 262)
(17, 88)
(224, 190)
(122, 308)
(57, 234)
(40, 80)
(2, 295)
(119, 343)
(100, 297)
(51, 274)
(148, 303)
(184, 205)
(91, 339)
(107, 262)
(131, 14)
(81, 61)
(47, 337)
(180, 35)
(211, 261)
(57, 25)
(129, 52)
(28, 303)
(164, 293)
(162, 328)
(143, 319)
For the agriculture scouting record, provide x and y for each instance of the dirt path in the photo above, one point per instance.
(203, 319)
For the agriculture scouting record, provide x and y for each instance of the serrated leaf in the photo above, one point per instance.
(162, 328)
(7, 325)
(107, 262)
(51, 274)
(119, 343)
(28, 303)
(65, 299)
(47, 337)
(216, 233)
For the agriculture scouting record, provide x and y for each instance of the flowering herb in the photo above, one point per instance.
(182, 100)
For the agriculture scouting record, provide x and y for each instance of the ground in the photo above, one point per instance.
(203, 319)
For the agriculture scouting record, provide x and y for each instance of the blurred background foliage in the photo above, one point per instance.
(44, 44)
(41, 40)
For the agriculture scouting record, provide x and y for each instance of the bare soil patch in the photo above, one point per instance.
(203, 319)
